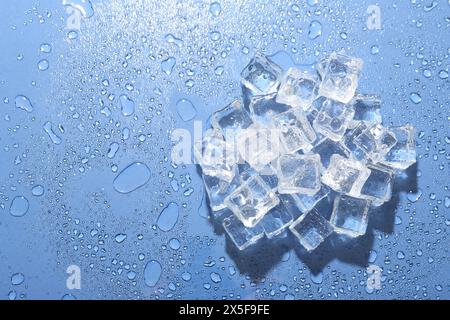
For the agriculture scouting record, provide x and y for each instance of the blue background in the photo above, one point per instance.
(77, 218)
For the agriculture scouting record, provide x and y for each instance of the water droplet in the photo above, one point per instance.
(447, 202)
(19, 206)
(315, 30)
(400, 255)
(374, 49)
(215, 277)
(317, 278)
(131, 275)
(343, 35)
(312, 3)
(48, 128)
(168, 64)
(127, 105)
(37, 191)
(83, 6)
(168, 217)
(189, 83)
(415, 97)
(120, 237)
(132, 177)
(43, 65)
(443, 74)
(46, 48)
(174, 244)
(72, 35)
(152, 273)
(372, 256)
(214, 35)
(215, 9)
(427, 73)
(186, 276)
(112, 150)
(17, 279)
(22, 102)
(413, 197)
(219, 70)
(186, 109)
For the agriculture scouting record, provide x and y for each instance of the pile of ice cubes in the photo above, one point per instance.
(300, 137)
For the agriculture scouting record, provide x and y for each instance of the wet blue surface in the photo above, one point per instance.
(68, 129)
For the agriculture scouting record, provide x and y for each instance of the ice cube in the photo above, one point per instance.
(240, 235)
(231, 120)
(295, 131)
(345, 175)
(333, 119)
(215, 156)
(218, 189)
(276, 221)
(258, 146)
(306, 202)
(314, 109)
(378, 186)
(264, 108)
(311, 229)
(349, 141)
(261, 76)
(339, 75)
(375, 141)
(297, 89)
(326, 148)
(367, 108)
(268, 173)
(299, 173)
(350, 215)
(403, 154)
(251, 201)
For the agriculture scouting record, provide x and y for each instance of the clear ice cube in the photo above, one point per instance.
(218, 189)
(306, 202)
(215, 156)
(311, 229)
(350, 215)
(299, 174)
(375, 141)
(258, 146)
(240, 235)
(295, 130)
(378, 186)
(276, 221)
(403, 154)
(339, 75)
(231, 120)
(367, 108)
(333, 119)
(261, 76)
(268, 173)
(251, 201)
(349, 141)
(297, 89)
(264, 108)
(345, 175)
(326, 148)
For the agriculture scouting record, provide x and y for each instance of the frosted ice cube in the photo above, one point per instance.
(297, 89)
(295, 131)
(239, 234)
(378, 186)
(311, 229)
(258, 146)
(339, 75)
(264, 108)
(215, 156)
(306, 202)
(276, 221)
(261, 75)
(350, 215)
(403, 154)
(299, 173)
(218, 189)
(367, 108)
(345, 175)
(375, 141)
(333, 119)
(326, 148)
(231, 120)
(251, 201)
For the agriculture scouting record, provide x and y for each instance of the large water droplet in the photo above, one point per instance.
(168, 64)
(168, 217)
(17, 279)
(132, 177)
(19, 206)
(112, 150)
(37, 190)
(215, 277)
(186, 109)
(315, 30)
(48, 128)
(415, 97)
(152, 273)
(127, 105)
(443, 74)
(23, 103)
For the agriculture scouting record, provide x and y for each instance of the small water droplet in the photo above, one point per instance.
(415, 97)
(37, 191)
(215, 277)
(132, 177)
(152, 273)
(315, 30)
(46, 48)
(19, 206)
(112, 150)
(22, 102)
(43, 65)
(17, 279)
(443, 74)
(186, 276)
(120, 237)
(215, 9)
(413, 197)
(214, 35)
(168, 217)
(400, 255)
(127, 105)
(174, 244)
(375, 49)
(447, 202)
(186, 109)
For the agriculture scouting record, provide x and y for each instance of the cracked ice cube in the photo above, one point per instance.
(367, 108)
(231, 120)
(299, 174)
(403, 154)
(251, 201)
(340, 75)
(375, 141)
(258, 146)
(215, 156)
(333, 119)
(264, 108)
(311, 229)
(240, 235)
(276, 221)
(350, 215)
(297, 89)
(295, 131)
(345, 175)
(261, 75)
(218, 189)
(378, 186)
(306, 202)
